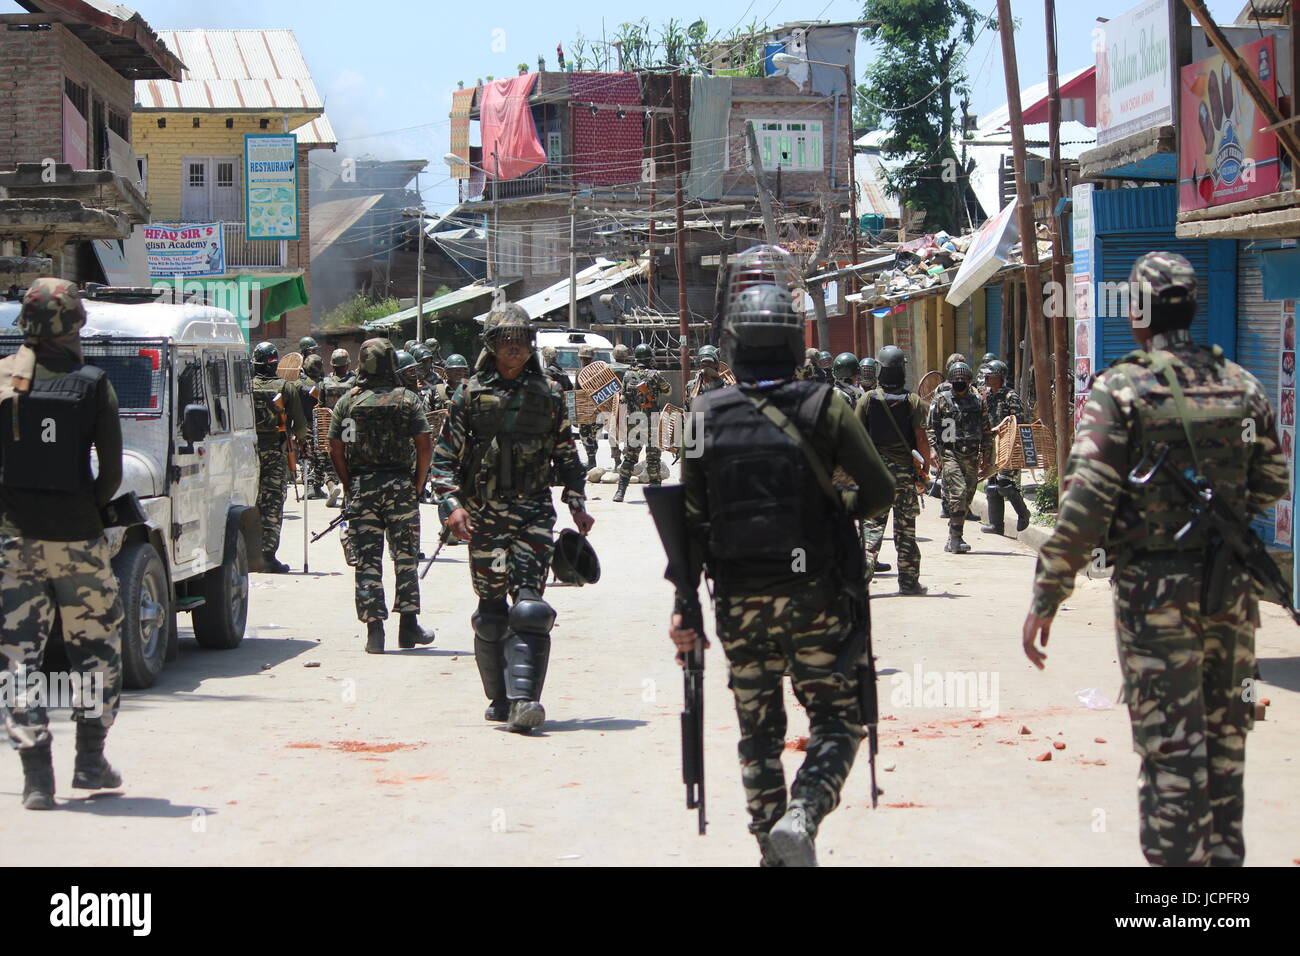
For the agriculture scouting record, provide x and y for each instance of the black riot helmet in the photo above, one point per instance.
(574, 560)
(868, 371)
(893, 366)
(845, 366)
(960, 372)
(762, 333)
(265, 357)
(999, 368)
(643, 352)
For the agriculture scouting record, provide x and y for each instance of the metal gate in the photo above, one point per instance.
(993, 319)
(1259, 342)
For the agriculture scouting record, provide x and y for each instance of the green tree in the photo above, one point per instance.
(919, 71)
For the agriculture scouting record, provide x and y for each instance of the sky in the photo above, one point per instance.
(386, 68)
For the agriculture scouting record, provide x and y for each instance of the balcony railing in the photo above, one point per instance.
(541, 180)
(245, 253)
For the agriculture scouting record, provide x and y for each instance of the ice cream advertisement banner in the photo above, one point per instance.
(1222, 155)
(271, 178)
(184, 249)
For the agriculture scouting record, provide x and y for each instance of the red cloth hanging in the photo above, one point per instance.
(607, 150)
(506, 122)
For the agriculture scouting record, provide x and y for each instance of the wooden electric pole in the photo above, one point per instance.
(1028, 233)
(683, 312)
(1064, 294)
(652, 270)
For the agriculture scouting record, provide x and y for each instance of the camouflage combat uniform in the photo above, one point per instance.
(1183, 671)
(963, 419)
(376, 421)
(643, 388)
(272, 460)
(1001, 404)
(772, 621)
(705, 383)
(897, 456)
(53, 553)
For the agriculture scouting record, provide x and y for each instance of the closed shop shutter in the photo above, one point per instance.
(963, 337)
(1259, 342)
(1117, 254)
(993, 318)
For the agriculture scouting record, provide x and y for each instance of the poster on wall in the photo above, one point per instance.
(1134, 71)
(1082, 229)
(1283, 516)
(271, 180)
(74, 135)
(1222, 155)
(184, 249)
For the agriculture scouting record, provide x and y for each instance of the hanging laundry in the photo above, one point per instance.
(510, 144)
(461, 103)
(607, 150)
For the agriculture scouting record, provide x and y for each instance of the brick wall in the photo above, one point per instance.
(835, 141)
(33, 64)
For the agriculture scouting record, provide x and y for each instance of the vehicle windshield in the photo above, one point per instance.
(568, 358)
(133, 366)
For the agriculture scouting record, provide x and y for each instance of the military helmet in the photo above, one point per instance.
(960, 372)
(811, 354)
(575, 561)
(314, 365)
(643, 352)
(999, 368)
(953, 358)
(378, 358)
(620, 352)
(265, 353)
(433, 345)
(549, 354)
(340, 357)
(586, 352)
(408, 345)
(51, 308)
(845, 366)
(455, 360)
(420, 353)
(708, 353)
(892, 362)
(510, 321)
(307, 346)
(405, 360)
(824, 359)
(988, 357)
(868, 369)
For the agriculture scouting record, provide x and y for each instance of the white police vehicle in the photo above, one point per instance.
(567, 342)
(184, 387)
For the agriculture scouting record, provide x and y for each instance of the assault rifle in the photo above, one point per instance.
(443, 512)
(1228, 539)
(668, 509)
(328, 528)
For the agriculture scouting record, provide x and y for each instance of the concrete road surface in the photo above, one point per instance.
(298, 748)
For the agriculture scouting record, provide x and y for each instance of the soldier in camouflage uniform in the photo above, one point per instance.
(844, 370)
(773, 620)
(381, 446)
(643, 391)
(507, 439)
(895, 420)
(408, 376)
(622, 362)
(457, 370)
(435, 349)
(332, 389)
(958, 430)
(551, 368)
(309, 388)
(589, 432)
(1184, 671)
(53, 553)
(708, 377)
(1002, 402)
(428, 374)
(272, 398)
(307, 347)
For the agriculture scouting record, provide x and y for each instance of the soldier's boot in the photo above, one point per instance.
(527, 652)
(882, 566)
(955, 543)
(374, 637)
(622, 487)
(410, 633)
(912, 588)
(336, 491)
(792, 838)
(943, 511)
(1013, 495)
(273, 565)
(92, 771)
(997, 508)
(490, 623)
(38, 778)
(767, 855)
(315, 492)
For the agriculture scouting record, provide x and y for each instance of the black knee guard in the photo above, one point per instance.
(527, 646)
(491, 623)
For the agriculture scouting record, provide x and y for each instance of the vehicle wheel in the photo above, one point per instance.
(146, 604)
(219, 622)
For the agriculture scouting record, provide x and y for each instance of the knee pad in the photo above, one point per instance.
(491, 620)
(530, 614)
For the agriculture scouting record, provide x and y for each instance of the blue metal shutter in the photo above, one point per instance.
(993, 318)
(1259, 342)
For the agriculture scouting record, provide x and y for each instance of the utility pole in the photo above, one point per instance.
(760, 181)
(573, 254)
(652, 270)
(1028, 234)
(683, 313)
(419, 265)
(1060, 347)
(494, 266)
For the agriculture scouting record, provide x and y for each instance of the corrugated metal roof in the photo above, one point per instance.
(603, 275)
(872, 198)
(330, 219)
(318, 132)
(435, 305)
(234, 70)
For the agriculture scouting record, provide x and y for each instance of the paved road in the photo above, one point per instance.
(253, 757)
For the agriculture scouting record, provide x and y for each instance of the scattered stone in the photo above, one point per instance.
(1025, 730)
(890, 768)
(978, 723)
(1044, 756)
(267, 667)
(799, 743)
(1099, 740)
(1058, 744)
(312, 664)
(900, 743)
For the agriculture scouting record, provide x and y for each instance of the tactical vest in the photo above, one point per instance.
(513, 436)
(332, 389)
(966, 415)
(48, 448)
(769, 518)
(266, 417)
(380, 439)
(881, 407)
(634, 396)
(849, 393)
(1148, 517)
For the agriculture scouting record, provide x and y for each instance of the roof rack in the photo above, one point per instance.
(126, 294)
